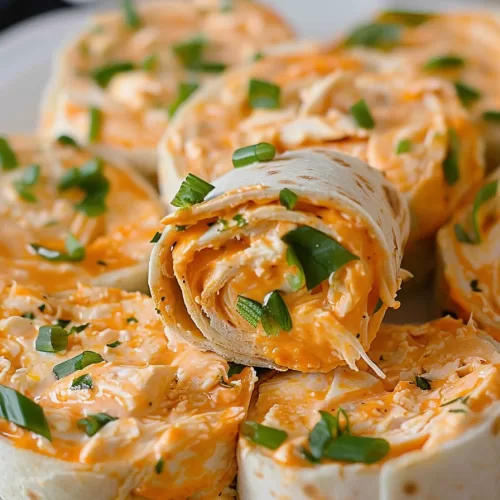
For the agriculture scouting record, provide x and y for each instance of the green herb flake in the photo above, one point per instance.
(357, 449)
(467, 94)
(319, 254)
(362, 116)
(288, 198)
(403, 146)
(51, 339)
(297, 279)
(378, 306)
(130, 15)
(275, 314)
(25, 183)
(447, 61)
(249, 309)
(190, 54)
(375, 35)
(8, 159)
(63, 323)
(75, 251)
(93, 423)
(184, 92)
(252, 154)
(28, 315)
(240, 220)
(150, 62)
(474, 284)
(451, 162)
(114, 344)
(492, 115)
(82, 382)
(159, 466)
(41, 308)
(79, 329)
(406, 17)
(461, 399)
(423, 383)
(193, 190)
(132, 320)
(322, 433)
(155, 238)
(66, 140)
(104, 74)
(180, 229)
(262, 94)
(263, 435)
(86, 358)
(95, 124)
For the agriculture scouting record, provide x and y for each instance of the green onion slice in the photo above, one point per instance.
(447, 61)
(379, 35)
(250, 310)
(295, 280)
(406, 17)
(265, 436)
(150, 63)
(322, 433)
(404, 146)
(22, 411)
(262, 94)
(492, 115)
(79, 362)
(104, 74)
(451, 162)
(28, 315)
(82, 382)
(422, 383)
(357, 449)
(159, 466)
(474, 285)
(254, 153)
(29, 178)
(155, 238)
(66, 140)
(114, 344)
(51, 339)
(288, 198)
(190, 52)
(79, 328)
(461, 234)
(319, 254)
(275, 309)
(8, 159)
(361, 114)
(95, 124)
(94, 423)
(467, 94)
(378, 306)
(75, 251)
(184, 92)
(240, 220)
(132, 19)
(193, 190)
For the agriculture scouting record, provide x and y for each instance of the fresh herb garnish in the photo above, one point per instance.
(288, 198)
(406, 17)
(462, 399)
(190, 54)
(319, 254)
(75, 251)
(262, 94)
(22, 411)
(41, 307)
(447, 61)
(132, 19)
(114, 344)
(29, 178)
(132, 320)
(404, 146)
(63, 323)
(268, 437)
(361, 114)
(159, 466)
(474, 284)
(82, 382)
(422, 383)
(51, 339)
(379, 35)
(94, 423)
(8, 159)
(296, 280)
(326, 429)
(249, 309)
(451, 162)
(79, 329)
(155, 238)
(253, 154)
(184, 91)
(240, 220)
(193, 190)
(104, 74)
(275, 315)
(378, 305)
(28, 315)
(66, 140)
(79, 362)
(466, 93)
(150, 62)
(491, 115)
(95, 124)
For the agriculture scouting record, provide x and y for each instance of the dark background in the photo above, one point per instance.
(13, 11)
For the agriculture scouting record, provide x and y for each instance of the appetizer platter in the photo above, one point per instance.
(216, 248)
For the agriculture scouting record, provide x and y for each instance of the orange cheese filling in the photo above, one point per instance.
(461, 365)
(171, 402)
(114, 241)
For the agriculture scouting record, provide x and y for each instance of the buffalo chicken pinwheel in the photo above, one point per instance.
(414, 130)
(430, 429)
(462, 47)
(290, 263)
(117, 85)
(469, 254)
(68, 217)
(95, 404)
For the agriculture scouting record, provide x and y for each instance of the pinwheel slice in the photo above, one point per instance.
(117, 85)
(415, 130)
(469, 255)
(289, 263)
(430, 429)
(68, 217)
(93, 402)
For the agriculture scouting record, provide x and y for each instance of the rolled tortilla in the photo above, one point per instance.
(177, 412)
(135, 104)
(413, 129)
(469, 279)
(442, 427)
(421, 42)
(348, 224)
(36, 210)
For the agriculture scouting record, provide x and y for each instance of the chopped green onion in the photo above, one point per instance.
(190, 52)
(249, 309)
(409, 18)
(63, 323)
(8, 159)
(295, 280)
(79, 362)
(114, 344)
(404, 146)
(240, 220)
(28, 315)
(209, 67)
(262, 434)
(22, 411)
(486, 193)
(51, 339)
(461, 234)
(275, 310)
(29, 178)
(82, 382)
(95, 124)
(262, 94)
(322, 433)
(184, 92)
(357, 449)
(380, 35)
(258, 56)
(156, 237)
(181, 228)
(451, 162)
(75, 251)
(254, 153)
(41, 307)
(104, 74)
(223, 224)
(466, 93)
(94, 423)
(361, 114)
(235, 369)
(288, 198)
(422, 383)
(159, 466)
(66, 140)
(319, 254)
(79, 329)
(193, 190)
(132, 320)
(448, 61)
(132, 19)
(378, 306)
(492, 115)
(150, 63)
(462, 400)
(474, 284)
